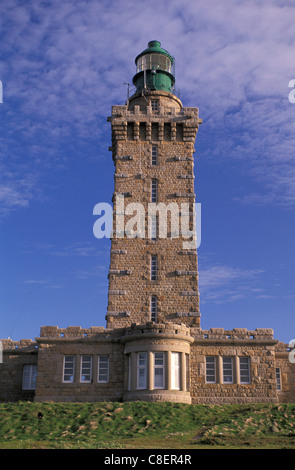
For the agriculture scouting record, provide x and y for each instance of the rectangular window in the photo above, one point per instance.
(153, 223)
(103, 369)
(141, 370)
(159, 370)
(69, 369)
(86, 369)
(244, 370)
(29, 377)
(278, 378)
(154, 191)
(154, 308)
(211, 370)
(175, 371)
(154, 155)
(154, 267)
(155, 105)
(228, 370)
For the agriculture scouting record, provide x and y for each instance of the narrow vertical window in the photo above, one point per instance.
(155, 105)
(153, 221)
(211, 370)
(154, 155)
(103, 369)
(228, 370)
(29, 377)
(141, 370)
(154, 308)
(154, 191)
(154, 267)
(69, 369)
(159, 368)
(86, 369)
(244, 370)
(278, 378)
(175, 371)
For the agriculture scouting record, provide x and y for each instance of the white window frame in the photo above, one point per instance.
(159, 369)
(228, 371)
(245, 377)
(175, 370)
(154, 308)
(103, 368)
(69, 368)
(154, 190)
(29, 377)
(154, 267)
(154, 156)
(86, 369)
(211, 370)
(141, 371)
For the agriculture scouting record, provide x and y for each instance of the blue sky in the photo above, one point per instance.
(62, 66)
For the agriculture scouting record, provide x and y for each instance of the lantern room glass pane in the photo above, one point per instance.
(154, 61)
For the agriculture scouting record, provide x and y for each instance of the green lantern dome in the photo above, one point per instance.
(154, 69)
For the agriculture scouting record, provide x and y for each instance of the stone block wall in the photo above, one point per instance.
(16, 354)
(258, 346)
(55, 343)
(136, 128)
(265, 354)
(286, 394)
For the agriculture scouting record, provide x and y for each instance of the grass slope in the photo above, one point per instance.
(140, 425)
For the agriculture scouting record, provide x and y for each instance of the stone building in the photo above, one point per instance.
(153, 347)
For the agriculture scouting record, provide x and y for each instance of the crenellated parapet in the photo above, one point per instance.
(177, 331)
(217, 334)
(22, 345)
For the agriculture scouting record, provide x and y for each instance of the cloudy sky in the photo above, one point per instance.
(62, 66)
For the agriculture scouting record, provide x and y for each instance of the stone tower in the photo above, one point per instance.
(153, 268)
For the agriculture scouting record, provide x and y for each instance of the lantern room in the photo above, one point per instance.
(154, 69)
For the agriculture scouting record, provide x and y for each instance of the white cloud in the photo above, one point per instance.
(65, 64)
(219, 283)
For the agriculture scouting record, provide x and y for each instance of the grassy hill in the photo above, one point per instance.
(140, 425)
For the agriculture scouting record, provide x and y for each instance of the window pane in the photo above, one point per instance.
(155, 105)
(278, 378)
(153, 227)
(86, 368)
(159, 370)
(103, 369)
(154, 155)
(175, 372)
(210, 370)
(244, 370)
(69, 368)
(29, 377)
(154, 191)
(156, 61)
(154, 308)
(141, 370)
(153, 267)
(227, 370)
